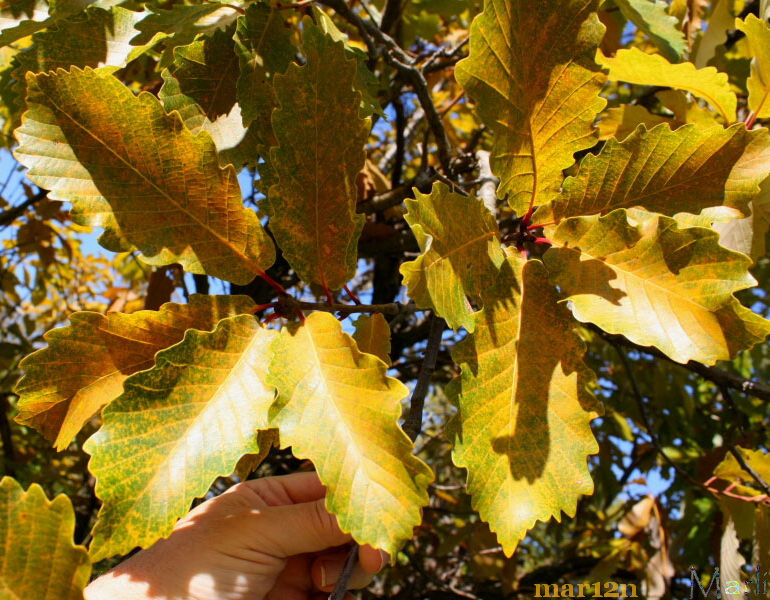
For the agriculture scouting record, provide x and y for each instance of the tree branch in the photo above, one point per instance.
(9, 216)
(713, 374)
(287, 305)
(395, 56)
(413, 423)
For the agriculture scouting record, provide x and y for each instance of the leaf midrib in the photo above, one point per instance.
(152, 184)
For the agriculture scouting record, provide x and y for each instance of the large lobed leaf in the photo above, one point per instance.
(38, 560)
(461, 254)
(321, 151)
(175, 429)
(337, 407)
(532, 73)
(129, 167)
(656, 284)
(85, 363)
(634, 66)
(524, 406)
(670, 172)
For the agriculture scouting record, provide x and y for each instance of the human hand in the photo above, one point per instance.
(269, 539)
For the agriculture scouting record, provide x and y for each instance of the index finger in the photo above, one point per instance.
(289, 489)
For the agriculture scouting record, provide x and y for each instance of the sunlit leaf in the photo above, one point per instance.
(731, 470)
(175, 429)
(652, 18)
(748, 235)
(656, 284)
(13, 28)
(321, 150)
(375, 486)
(532, 73)
(670, 172)
(461, 254)
(622, 121)
(758, 37)
(372, 335)
(524, 407)
(85, 364)
(87, 138)
(38, 560)
(634, 66)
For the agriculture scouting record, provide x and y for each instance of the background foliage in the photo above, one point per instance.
(245, 149)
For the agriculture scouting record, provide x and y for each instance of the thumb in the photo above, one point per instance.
(297, 528)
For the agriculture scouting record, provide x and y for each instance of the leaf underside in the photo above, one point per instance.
(85, 363)
(162, 441)
(524, 406)
(337, 407)
(540, 103)
(129, 167)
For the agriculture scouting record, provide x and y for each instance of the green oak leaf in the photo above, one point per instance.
(461, 254)
(656, 284)
(651, 16)
(758, 36)
(321, 151)
(338, 408)
(86, 137)
(85, 363)
(532, 74)
(523, 430)
(175, 429)
(38, 560)
(683, 171)
(40, 16)
(634, 66)
(264, 48)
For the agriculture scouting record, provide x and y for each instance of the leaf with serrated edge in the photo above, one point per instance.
(129, 167)
(653, 19)
(337, 407)
(264, 48)
(524, 406)
(461, 253)
(758, 37)
(686, 170)
(372, 335)
(656, 284)
(85, 364)
(532, 74)
(730, 470)
(634, 66)
(175, 429)
(321, 150)
(38, 560)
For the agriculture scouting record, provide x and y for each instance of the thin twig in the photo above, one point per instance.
(413, 423)
(343, 583)
(391, 308)
(713, 374)
(748, 468)
(9, 216)
(646, 421)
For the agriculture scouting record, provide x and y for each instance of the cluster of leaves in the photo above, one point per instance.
(586, 197)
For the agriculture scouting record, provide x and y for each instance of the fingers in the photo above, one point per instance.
(287, 489)
(371, 559)
(284, 531)
(327, 569)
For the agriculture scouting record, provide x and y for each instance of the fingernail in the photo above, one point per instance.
(324, 582)
(384, 559)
